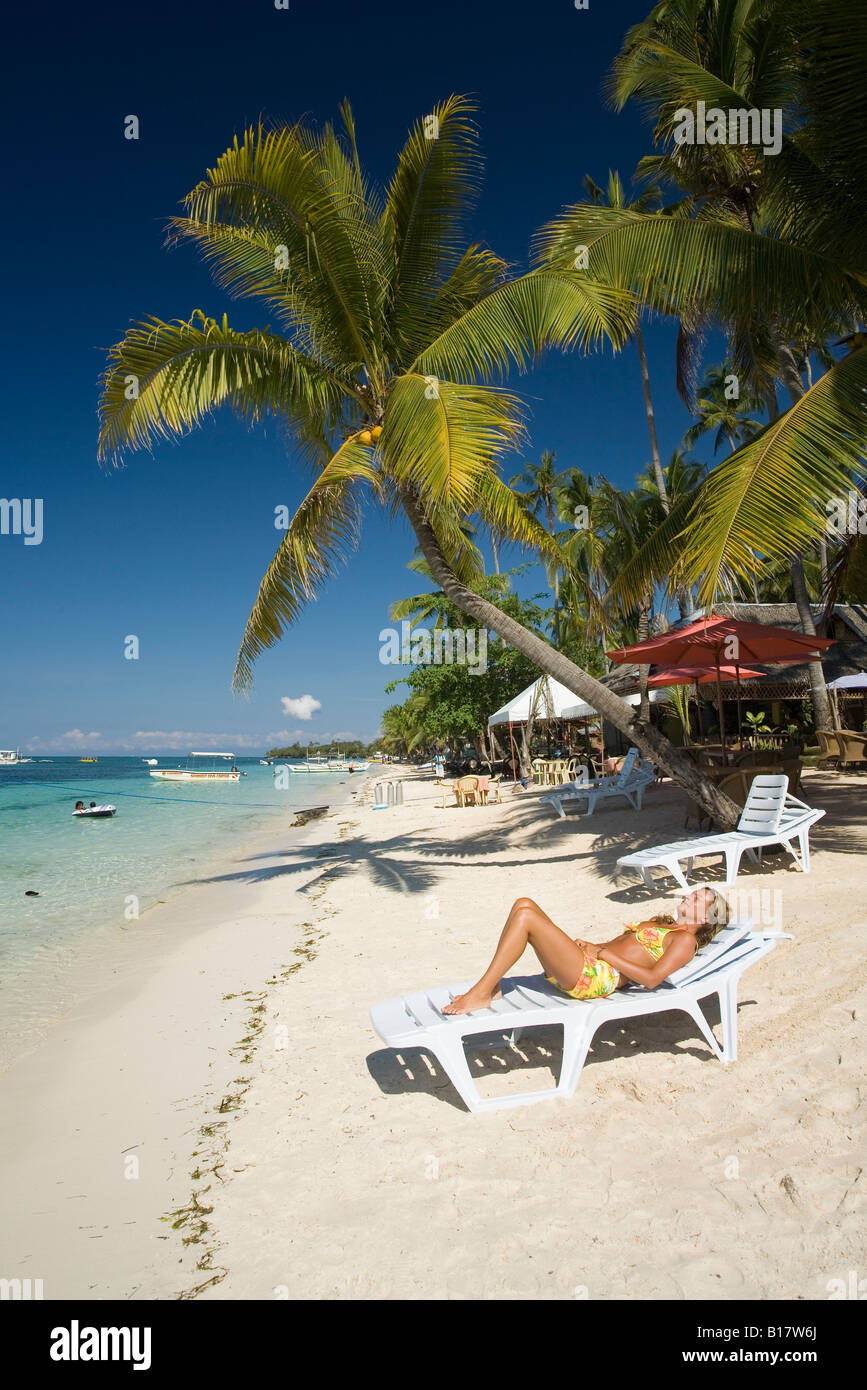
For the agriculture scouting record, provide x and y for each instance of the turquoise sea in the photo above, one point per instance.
(85, 871)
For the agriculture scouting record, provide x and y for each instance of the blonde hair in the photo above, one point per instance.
(717, 917)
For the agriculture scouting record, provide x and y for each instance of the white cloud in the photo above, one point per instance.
(303, 708)
(77, 739)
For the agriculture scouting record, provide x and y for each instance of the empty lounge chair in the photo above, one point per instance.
(771, 816)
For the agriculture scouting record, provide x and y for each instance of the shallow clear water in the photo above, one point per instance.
(86, 871)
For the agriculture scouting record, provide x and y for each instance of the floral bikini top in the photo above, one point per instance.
(652, 938)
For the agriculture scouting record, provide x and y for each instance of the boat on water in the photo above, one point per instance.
(196, 772)
(151, 762)
(266, 762)
(88, 760)
(10, 757)
(96, 812)
(333, 763)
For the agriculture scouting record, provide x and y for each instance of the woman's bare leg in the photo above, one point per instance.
(526, 925)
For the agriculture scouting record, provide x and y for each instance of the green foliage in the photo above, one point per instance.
(448, 703)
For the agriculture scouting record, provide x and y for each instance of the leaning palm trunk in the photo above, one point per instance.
(653, 744)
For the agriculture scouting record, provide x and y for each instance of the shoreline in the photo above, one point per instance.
(113, 943)
(125, 1071)
(300, 1158)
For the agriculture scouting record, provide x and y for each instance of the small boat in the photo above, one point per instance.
(151, 762)
(317, 764)
(10, 757)
(88, 760)
(266, 762)
(96, 812)
(198, 773)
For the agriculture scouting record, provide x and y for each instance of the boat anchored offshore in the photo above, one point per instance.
(151, 762)
(10, 757)
(197, 772)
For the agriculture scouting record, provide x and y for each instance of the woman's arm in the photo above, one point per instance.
(680, 952)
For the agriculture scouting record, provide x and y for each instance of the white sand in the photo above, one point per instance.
(336, 1169)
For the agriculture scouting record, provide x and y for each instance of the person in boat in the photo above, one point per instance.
(93, 805)
(79, 805)
(646, 953)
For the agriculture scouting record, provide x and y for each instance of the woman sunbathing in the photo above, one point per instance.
(646, 953)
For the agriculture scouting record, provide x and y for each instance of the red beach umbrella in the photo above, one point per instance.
(699, 675)
(715, 639)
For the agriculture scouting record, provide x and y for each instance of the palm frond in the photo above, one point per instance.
(431, 194)
(771, 496)
(442, 438)
(164, 378)
(517, 321)
(320, 536)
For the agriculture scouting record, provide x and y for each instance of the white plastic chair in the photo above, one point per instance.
(417, 1020)
(771, 816)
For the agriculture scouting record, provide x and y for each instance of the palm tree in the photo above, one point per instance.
(719, 410)
(772, 249)
(645, 201)
(537, 487)
(394, 327)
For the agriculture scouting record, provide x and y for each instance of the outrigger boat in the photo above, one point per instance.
(315, 764)
(198, 774)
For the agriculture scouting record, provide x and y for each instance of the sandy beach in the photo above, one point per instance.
(222, 1122)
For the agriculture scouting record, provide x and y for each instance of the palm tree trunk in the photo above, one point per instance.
(650, 741)
(496, 553)
(818, 689)
(651, 423)
(556, 583)
(644, 671)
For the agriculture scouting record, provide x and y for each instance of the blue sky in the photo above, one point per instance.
(171, 547)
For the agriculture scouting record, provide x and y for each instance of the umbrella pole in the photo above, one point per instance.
(698, 712)
(512, 742)
(738, 674)
(722, 724)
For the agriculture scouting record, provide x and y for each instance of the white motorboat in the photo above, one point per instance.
(197, 772)
(318, 764)
(151, 762)
(10, 757)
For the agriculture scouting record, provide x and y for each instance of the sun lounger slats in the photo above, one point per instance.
(532, 1003)
(771, 816)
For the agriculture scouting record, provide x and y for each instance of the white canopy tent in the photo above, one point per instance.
(547, 695)
(553, 701)
(579, 709)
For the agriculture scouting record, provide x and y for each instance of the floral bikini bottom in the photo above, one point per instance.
(596, 980)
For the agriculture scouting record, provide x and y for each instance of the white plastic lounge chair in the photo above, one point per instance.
(771, 816)
(417, 1021)
(631, 781)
